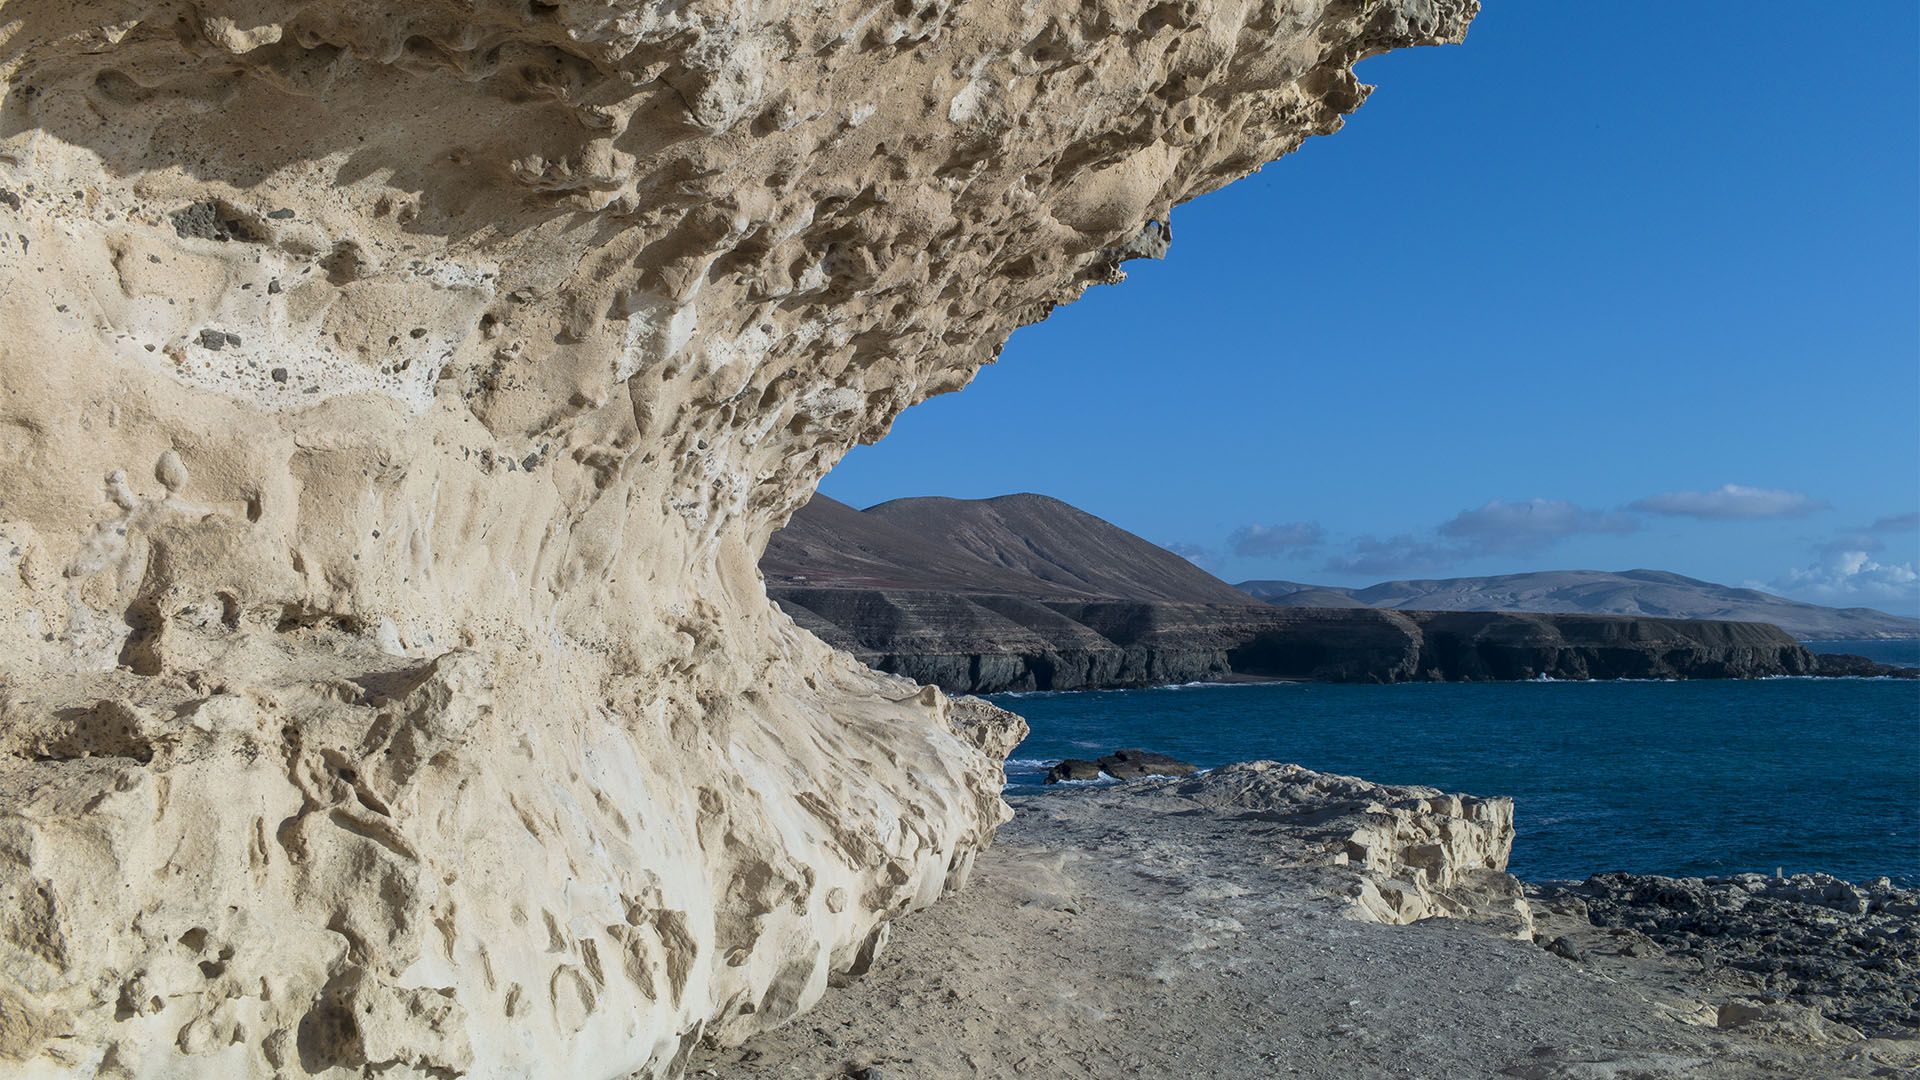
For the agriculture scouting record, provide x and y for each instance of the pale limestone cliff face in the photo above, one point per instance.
(396, 399)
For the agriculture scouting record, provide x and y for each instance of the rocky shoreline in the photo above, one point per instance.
(1817, 952)
(1255, 921)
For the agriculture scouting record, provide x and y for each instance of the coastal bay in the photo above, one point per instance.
(1678, 778)
(1160, 927)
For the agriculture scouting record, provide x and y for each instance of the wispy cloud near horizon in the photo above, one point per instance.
(1867, 539)
(1730, 502)
(1495, 527)
(1499, 527)
(1256, 541)
(1403, 554)
(1898, 523)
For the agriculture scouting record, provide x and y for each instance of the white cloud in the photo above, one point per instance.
(1496, 527)
(1501, 527)
(1266, 541)
(1397, 555)
(1860, 542)
(1854, 579)
(1730, 502)
(1867, 538)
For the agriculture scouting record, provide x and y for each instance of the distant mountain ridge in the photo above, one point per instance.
(1654, 593)
(1024, 592)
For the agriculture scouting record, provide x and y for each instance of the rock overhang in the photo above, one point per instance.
(420, 384)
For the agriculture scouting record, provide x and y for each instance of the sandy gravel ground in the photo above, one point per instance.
(1110, 933)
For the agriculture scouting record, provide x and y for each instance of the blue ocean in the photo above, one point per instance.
(1678, 778)
(1904, 653)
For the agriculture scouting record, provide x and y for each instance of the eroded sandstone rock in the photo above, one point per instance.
(1420, 853)
(396, 399)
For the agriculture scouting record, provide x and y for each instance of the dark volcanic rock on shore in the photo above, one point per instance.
(1121, 765)
(1131, 764)
(1850, 951)
(1073, 768)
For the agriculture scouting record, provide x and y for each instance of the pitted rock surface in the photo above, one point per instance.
(397, 399)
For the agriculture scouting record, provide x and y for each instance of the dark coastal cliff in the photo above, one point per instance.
(984, 644)
(952, 592)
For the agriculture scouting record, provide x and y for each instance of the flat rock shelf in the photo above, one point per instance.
(1152, 929)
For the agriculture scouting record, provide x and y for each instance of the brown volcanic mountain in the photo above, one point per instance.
(830, 544)
(1015, 545)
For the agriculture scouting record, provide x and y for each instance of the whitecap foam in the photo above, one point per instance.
(1203, 685)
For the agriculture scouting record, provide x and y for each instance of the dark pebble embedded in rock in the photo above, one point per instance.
(1073, 769)
(1564, 948)
(211, 221)
(1128, 764)
(279, 374)
(200, 221)
(214, 340)
(281, 214)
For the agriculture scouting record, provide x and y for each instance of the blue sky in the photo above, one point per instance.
(1635, 285)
